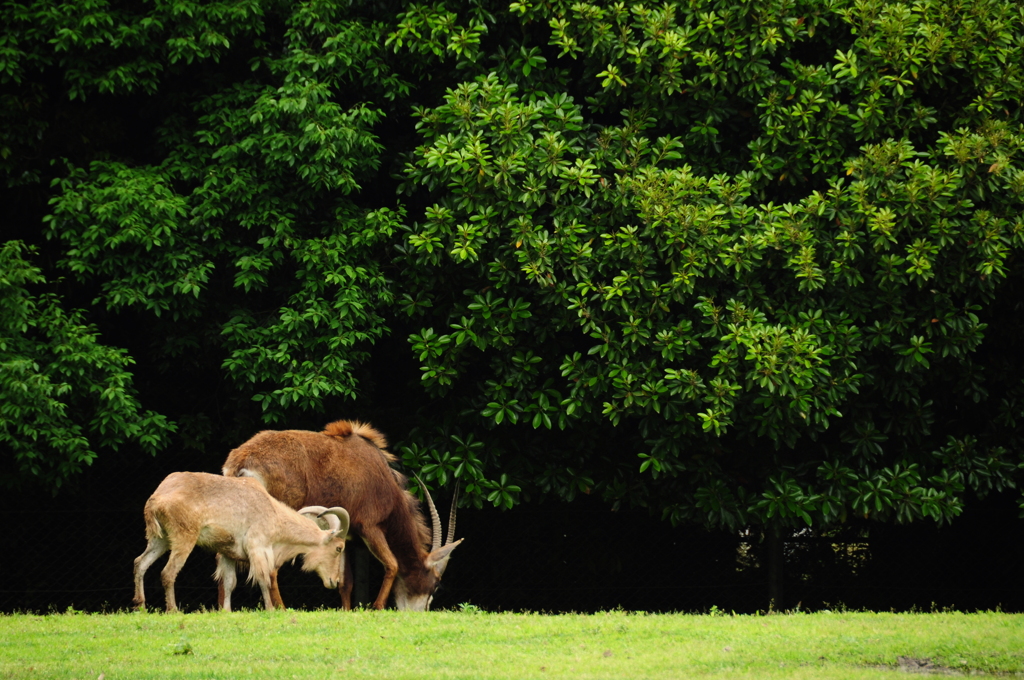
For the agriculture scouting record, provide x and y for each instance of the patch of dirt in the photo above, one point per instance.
(909, 664)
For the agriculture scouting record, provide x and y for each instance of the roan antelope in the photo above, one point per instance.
(348, 465)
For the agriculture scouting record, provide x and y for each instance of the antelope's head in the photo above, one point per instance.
(326, 558)
(416, 591)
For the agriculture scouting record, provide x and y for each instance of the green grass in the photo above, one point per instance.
(389, 644)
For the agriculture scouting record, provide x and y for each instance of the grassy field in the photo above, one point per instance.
(389, 644)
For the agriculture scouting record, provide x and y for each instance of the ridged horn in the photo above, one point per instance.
(451, 515)
(435, 520)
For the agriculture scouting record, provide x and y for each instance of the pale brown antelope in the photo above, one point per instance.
(239, 520)
(348, 465)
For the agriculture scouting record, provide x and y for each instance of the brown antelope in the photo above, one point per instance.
(348, 465)
(239, 520)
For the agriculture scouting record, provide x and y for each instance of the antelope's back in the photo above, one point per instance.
(342, 466)
(278, 460)
(191, 499)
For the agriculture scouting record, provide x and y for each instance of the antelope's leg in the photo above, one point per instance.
(154, 549)
(275, 592)
(373, 537)
(347, 582)
(261, 565)
(170, 571)
(227, 578)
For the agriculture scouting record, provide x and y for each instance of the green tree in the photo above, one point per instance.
(221, 225)
(734, 262)
(252, 196)
(776, 242)
(63, 394)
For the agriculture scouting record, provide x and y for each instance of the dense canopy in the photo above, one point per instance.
(735, 262)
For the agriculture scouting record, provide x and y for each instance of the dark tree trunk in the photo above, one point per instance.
(776, 566)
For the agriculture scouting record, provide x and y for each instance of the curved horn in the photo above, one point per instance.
(451, 515)
(435, 520)
(333, 523)
(315, 510)
(337, 520)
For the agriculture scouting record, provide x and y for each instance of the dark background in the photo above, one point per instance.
(77, 550)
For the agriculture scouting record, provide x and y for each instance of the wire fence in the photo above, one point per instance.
(554, 559)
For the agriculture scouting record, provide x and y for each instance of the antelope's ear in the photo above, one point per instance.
(439, 558)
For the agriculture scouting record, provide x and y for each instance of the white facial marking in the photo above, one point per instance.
(406, 602)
